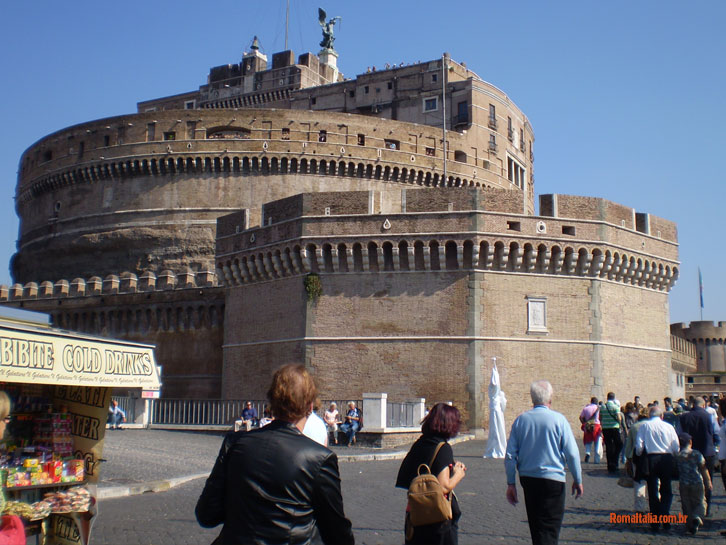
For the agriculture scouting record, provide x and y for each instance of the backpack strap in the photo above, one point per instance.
(436, 452)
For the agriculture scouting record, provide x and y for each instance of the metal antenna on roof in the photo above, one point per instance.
(287, 22)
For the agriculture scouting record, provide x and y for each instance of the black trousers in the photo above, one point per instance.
(613, 446)
(545, 503)
(660, 473)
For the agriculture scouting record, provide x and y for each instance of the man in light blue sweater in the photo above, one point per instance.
(540, 444)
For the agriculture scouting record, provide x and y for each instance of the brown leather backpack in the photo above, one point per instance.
(427, 503)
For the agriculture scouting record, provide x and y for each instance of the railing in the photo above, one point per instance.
(461, 119)
(224, 412)
(401, 415)
(198, 412)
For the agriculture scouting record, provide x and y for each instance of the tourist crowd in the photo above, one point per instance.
(273, 484)
(657, 444)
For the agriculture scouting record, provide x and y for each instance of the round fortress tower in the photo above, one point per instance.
(143, 191)
(709, 339)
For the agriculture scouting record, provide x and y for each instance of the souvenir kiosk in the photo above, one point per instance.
(60, 384)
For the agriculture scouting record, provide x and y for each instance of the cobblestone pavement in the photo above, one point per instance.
(137, 456)
(376, 507)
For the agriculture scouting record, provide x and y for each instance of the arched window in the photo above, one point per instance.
(434, 255)
(373, 257)
(403, 256)
(452, 261)
(387, 256)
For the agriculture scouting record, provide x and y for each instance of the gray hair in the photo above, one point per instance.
(655, 411)
(541, 392)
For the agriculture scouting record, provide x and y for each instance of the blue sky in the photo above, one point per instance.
(627, 99)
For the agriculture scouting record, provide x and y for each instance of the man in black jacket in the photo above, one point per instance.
(274, 485)
(699, 424)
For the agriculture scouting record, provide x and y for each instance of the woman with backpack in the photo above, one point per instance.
(433, 450)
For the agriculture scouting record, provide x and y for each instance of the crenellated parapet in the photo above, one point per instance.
(447, 231)
(125, 283)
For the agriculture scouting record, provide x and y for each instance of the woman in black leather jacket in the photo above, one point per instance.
(273, 485)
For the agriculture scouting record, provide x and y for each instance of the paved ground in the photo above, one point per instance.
(371, 502)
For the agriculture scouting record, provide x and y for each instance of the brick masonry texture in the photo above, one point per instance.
(364, 335)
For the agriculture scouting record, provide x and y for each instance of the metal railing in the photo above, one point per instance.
(223, 412)
(401, 415)
(199, 412)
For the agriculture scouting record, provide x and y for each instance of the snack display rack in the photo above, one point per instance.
(60, 384)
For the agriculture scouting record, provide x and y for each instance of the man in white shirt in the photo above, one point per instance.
(659, 441)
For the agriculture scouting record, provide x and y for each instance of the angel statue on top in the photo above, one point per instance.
(328, 29)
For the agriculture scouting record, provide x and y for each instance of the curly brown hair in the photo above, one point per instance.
(291, 393)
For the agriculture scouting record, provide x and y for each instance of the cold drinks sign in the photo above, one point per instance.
(47, 356)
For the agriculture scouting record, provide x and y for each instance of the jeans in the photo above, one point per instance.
(349, 429)
(115, 419)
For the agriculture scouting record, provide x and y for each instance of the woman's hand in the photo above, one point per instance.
(459, 467)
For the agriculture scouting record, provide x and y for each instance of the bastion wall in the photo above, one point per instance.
(417, 303)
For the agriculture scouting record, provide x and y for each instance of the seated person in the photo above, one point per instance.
(249, 417)
(352, 422)
(116, 415)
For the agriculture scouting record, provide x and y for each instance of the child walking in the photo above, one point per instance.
(694, 481)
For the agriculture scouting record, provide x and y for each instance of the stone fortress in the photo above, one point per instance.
(709, 342)
(283, 213)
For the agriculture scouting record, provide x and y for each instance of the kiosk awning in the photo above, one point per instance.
(34, 353)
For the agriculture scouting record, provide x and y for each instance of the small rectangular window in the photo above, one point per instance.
(361, 139)
(285, 133)
(365, 89)
(81, 148)
(390, 85)
(514, 225)
(492, 142)
(121, 135)
(431, 152)
(431, 104)
(323, 136)
(150, 132)
(170, 135)
(690, 380)
(189, 105)
(106, 141)
(313, 101)
(568, 230)
(351, 94)
(717, 380)
(47, 155)
(510, 131)
(434, 77)
(392, 144)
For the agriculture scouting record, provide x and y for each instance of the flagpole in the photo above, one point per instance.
(700, 290)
